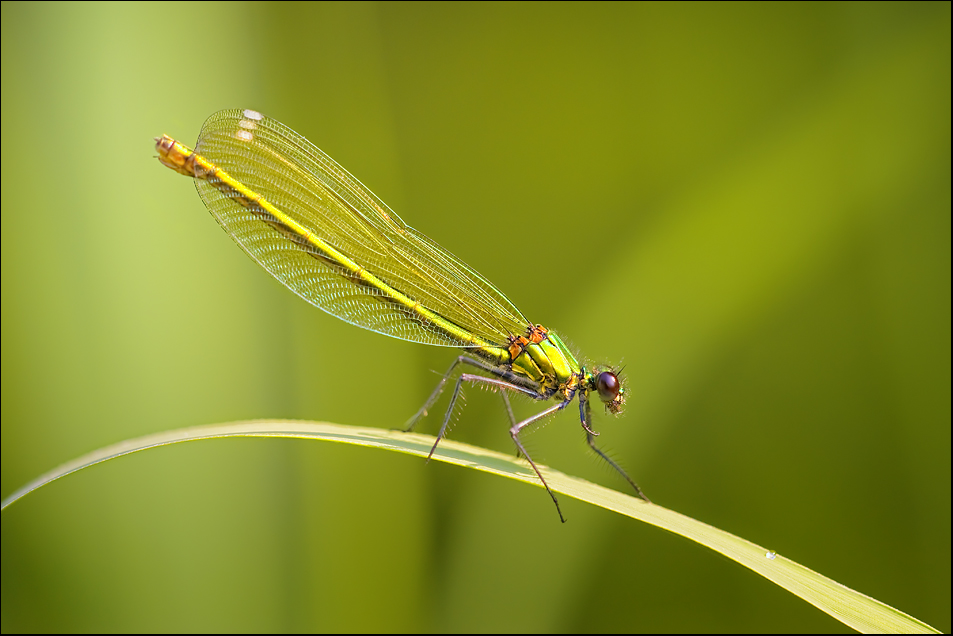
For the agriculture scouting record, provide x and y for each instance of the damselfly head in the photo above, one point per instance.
(610, 389)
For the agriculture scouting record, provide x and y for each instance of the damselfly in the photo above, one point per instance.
(327, 238)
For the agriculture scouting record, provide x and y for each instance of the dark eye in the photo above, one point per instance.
(607, 384)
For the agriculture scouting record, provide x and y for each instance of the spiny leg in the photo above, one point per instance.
(514, 433)
(469, 377)
(515, 429)
(529, 390)
(412, 422)
(586, 415)
(509, 411)
(508, 375)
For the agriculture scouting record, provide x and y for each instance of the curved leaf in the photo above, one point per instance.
(846, 605)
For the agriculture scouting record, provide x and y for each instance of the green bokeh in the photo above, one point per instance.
(747, 205)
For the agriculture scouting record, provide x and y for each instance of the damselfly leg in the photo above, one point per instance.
(585, 413)
(505, 381)
(510, 377)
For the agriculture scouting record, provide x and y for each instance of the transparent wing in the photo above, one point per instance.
(293, 175)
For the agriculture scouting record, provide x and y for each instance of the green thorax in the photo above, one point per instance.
(542, 357)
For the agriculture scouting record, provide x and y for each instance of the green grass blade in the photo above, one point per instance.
(852, 608)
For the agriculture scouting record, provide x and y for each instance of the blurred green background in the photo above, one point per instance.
(747, 205)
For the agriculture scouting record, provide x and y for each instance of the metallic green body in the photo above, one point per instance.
(322, 234)
(551, 364)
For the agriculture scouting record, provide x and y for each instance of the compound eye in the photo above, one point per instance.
(607, 384)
